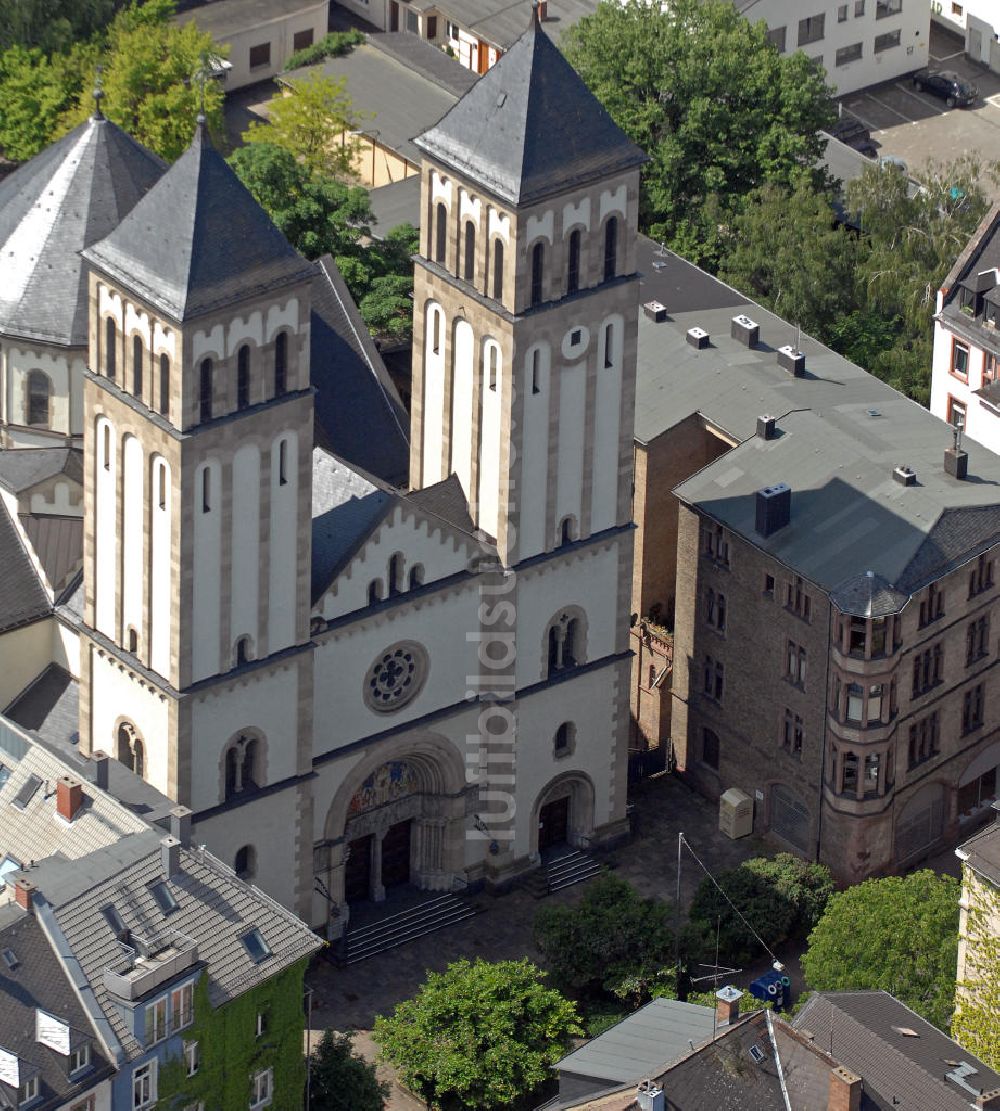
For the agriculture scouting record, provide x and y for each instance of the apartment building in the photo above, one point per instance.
(858, 43)
(826, 559)
(964, 387)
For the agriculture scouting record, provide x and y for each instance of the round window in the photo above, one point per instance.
(395, 677)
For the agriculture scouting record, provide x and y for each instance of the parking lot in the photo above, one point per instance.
(916, 126)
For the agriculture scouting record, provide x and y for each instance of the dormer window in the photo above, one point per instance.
(970, 303)
(28, 1091)
(79, 1058)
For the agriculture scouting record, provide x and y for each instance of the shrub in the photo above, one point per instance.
(329, 46)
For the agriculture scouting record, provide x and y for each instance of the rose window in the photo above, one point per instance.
(395, 677)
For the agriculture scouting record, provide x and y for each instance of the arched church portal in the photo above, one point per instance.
(564, 813)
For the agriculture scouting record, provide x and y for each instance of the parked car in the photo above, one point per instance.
(946, 84)
(853, 133)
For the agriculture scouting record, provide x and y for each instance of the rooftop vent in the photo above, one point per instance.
(745, 330)
(766, 427)
(649, 1096)
(774, 508)
(697, 337)
(905, 476)
(956, 461)
(170, 856)
(792, 360)
(97, 769)
(656, 311)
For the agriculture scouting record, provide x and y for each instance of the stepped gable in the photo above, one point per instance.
(530, 127)
(198, 240)
(67, 197)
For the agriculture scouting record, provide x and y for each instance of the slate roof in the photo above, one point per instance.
(225, 18)
(423, 57)
(981, 254)
(22, 468)
(67, 197)
(22, 596)
(530, 127)
(39, 982)
(395, 204)
(215, 909)
(445, 499)
(982, 853)
(857, 1027)
(358, 413)
(213, 243)
(868, 595)
(841, 432)
(58, 544)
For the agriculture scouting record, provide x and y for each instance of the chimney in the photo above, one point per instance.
(845, 1090)
(649, 1096)
(727, 1005)
(24, 893)
(170, 856)
(745, 330)
(543, 10)
(774, 508)
(956, 462)
(97, 769)
(697, 338)
(905, 476)
(766, 427)
(989, 1100)
(792, 360)
(69, 797)
(180, 825)
(656, 311)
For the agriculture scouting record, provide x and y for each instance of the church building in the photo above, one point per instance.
(353, 680)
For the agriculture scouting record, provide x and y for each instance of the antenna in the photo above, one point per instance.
(957, 436)
(98, 93)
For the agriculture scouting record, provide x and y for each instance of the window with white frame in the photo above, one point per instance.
(79, 1059)
(261, 1088)
(28, 1091)
(191, 1058)
(144, 1086)
(156, 1021)
(182, 1006)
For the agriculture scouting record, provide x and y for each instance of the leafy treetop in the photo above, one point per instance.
(342, 1080)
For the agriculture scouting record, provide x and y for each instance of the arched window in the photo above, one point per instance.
(536, 385)
(492, 365)
(609, 346)
(440, 233)
(130, 749)
(469, 268)
(374, 591)
(110, 347)
(537, 268)
(283, 463)
(243, 377)
(205, 390)
(567, 530)
(610, 248)
(280, 363)
(165, 385)
(566, 643)
(137, 358)
(245, 862)
(652, 676)
(395, 574)
(133, 641)
(242, 767)
(206, 490)
(107, 447)
(416, 575)
(436, 330)
(242, 651)
(573, 269)
(565, 739)
(497, 270)
(39, 392)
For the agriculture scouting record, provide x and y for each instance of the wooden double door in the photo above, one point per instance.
(394, 849)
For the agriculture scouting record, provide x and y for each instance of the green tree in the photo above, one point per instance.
(311, 121)
(780, 898)
(784, 250)
(320, 215)
(713, 104)
(977, 1002)
(898, 934)
(612, 941)
(342, 1080)
(52, 25)
(478, 1035)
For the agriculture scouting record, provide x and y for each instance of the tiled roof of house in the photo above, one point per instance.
(530, 127)
(903, 1060)
(214, 243)
(500, 22)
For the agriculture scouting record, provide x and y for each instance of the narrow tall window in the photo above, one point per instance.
(610, 248)
(469, 269)
(440, 233)
(107, 447)
(497, 270)
(205, 390)
(165, 385)
(162, 473)
(283, 463)
(609, 344)
(206, 490)
(395, 575)
(110, 347)
(493, 363)
(537, 267)
(573, 270)
(436, 331)
(243, 377)
(280, 363)
(39, 389)
(536, 386)
(137, 357)
(416, 575)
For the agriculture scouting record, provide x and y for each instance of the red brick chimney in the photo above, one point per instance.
(543, 10)
(845, 1090)
(24, 892)
(69, 797)
(727, 1005)
(989, 1100)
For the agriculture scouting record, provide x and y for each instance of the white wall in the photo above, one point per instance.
(572, 434)
(982, 420)
(607, 425)
(463, 380)
(244, 581)
(105, 526)
(133, 557)
(26, 652)
(161, 568)
(283, 553)
(491, 408)
(434, 371)
(533, 496)
(207, 573)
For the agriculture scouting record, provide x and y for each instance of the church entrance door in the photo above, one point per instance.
(396, 855)
(553, 823)
(358, 872)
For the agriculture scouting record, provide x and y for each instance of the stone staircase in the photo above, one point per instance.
(568, 868)
(424, 918)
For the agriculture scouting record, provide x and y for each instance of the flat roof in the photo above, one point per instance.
(222, 18)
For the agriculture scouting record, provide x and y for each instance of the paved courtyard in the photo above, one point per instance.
(917, 127)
